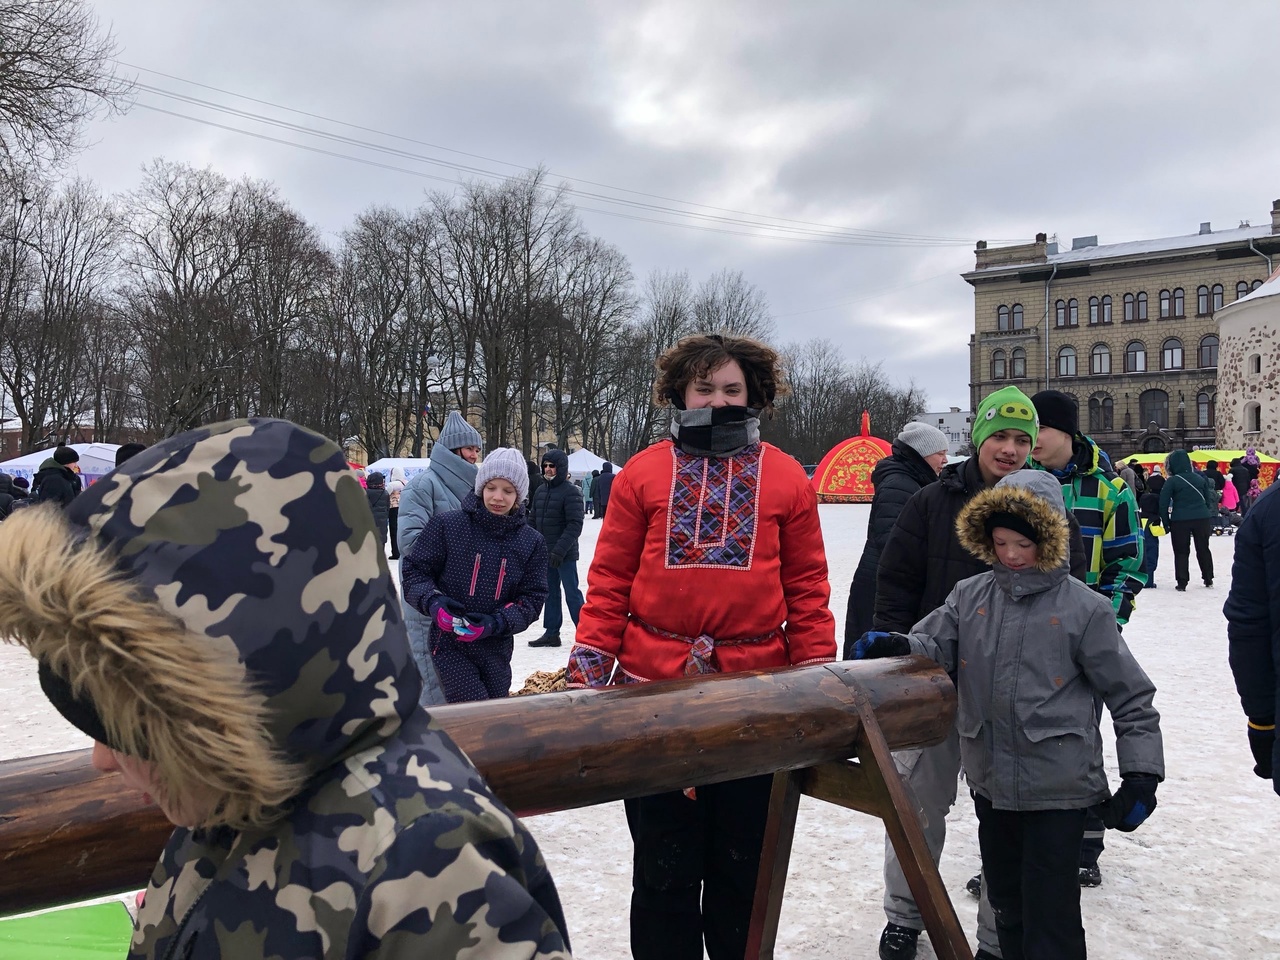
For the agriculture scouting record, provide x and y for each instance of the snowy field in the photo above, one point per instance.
(1199, 879)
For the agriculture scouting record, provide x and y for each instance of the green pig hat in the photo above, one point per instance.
(1006, 409)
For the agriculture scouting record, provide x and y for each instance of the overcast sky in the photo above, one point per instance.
(957, 122)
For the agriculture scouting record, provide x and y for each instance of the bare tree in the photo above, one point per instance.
(727, 303)
(56, 71)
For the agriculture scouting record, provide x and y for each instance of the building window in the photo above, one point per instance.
(1142, 306)
(1066, 361)
(1018, 363)
(1216, 292)
(998, 371)
(1017, 316)
(1179, 303)
(1135, 357)
(1208, 351)
(1002, 317)
(1242, 289)
(1171, 354)
(1100, 359)
(1253, 418)
(1153, 407)
(1256, 285)
(1101, 414)
(1202, 300)
(1204, 409)
(1060, 313)
(1093, 311)
(1073, 312)
(1106, 309)
(1166, 304)
(1255, 364)
(1130, 308)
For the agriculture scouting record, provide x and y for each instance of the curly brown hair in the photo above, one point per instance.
(697, 356)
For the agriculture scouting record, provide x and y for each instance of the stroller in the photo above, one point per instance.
(1226, 522)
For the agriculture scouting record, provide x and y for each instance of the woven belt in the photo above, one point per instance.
(702, 648)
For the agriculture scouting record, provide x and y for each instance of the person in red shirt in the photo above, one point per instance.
(710, 560)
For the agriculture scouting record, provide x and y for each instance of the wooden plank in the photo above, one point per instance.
(775, 858)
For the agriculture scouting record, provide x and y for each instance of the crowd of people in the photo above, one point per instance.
(275, 680)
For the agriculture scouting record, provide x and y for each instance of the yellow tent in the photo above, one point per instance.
(1266, 465)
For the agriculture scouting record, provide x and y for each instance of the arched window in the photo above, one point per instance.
(1017, 316)
(1060, 313)
(1106, 309)
(1093, 311)
(1252, 418)
(1171, 354)
(1100, 359)
(1204, 409)
(1179, 303)
(1256, 285)
(1242, 289)
(1073, 312)
(1108, 413)
(1216, 292)
(1142, 306)
(1153, 407)
(1135, 357)
(1166, 304)
(998, 371)
(1130, 308)
(1002, 317)
(1018, 363)
(1202, 300)
(1101, 414)
(1066, 361)
(1208, 351)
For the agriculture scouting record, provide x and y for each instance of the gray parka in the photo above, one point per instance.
(1032, 652)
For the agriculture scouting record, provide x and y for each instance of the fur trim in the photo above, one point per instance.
(163, 693)
(1045, 519)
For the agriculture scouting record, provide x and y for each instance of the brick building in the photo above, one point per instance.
(1127, 328)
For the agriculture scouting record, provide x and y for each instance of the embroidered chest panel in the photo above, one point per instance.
(713, 510)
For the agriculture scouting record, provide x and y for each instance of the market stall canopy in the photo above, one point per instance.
(96, 460)
(410, 466)
(844, 475)
(1267, 465)
(582, 462)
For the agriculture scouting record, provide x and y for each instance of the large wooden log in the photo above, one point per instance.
(69, 833)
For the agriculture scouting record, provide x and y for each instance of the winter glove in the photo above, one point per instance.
(1132, 803)
(1262, 741)
(444, 611)
(555, 559)
(488, 626)
(875, 644)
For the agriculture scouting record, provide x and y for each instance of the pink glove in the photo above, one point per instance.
(444, 619)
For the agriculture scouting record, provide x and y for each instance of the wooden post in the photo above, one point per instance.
(775, 856)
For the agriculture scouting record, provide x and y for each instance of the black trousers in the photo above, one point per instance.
(1182, 532)
(694, 869)
(1031, 864)
(393, 518)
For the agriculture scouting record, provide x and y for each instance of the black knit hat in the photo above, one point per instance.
(1011, 521)
(65, 455)
(1057, 410)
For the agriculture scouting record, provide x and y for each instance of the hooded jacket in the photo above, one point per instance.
(1107, 512)
(54, 483)
(1033, 651)
(556, 509)
(1187, 495)
(895, 478)
(232, 573)
(7, 495)
(379, 503)
(603, 485)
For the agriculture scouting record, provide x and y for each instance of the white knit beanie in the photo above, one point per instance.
(923, 439)
(508, 464)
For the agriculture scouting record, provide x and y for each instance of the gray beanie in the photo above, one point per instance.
(457, 433)
(923, 439)
(509, 465)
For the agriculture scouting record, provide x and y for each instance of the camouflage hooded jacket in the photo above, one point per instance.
(222, 601)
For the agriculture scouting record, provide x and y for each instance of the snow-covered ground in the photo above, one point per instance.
(1199, 879)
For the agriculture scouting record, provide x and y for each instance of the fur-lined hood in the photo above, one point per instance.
(222, 602)
(1034, 495)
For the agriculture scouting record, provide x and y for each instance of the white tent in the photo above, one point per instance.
(96, 460)
(582, 462)
(410, 466)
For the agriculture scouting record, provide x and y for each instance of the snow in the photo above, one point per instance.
(1197, 880)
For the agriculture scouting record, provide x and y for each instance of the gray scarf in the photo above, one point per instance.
(715, 431)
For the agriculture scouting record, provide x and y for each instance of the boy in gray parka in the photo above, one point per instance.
(1032, 651)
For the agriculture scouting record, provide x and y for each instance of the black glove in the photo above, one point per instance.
(1262, 741)
(555, 559)
(1132, 803)
(875, 644)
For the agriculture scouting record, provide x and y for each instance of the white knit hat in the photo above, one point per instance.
(508, 464)
(923, 439)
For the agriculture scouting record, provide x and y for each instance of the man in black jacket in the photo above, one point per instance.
(600, 490)
(919, 453)
(58, 479)
(555, 511)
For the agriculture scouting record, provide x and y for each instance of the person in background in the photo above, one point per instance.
(587, 483)
(600, 490)
(21, 489)
(1149, 516)
(710, 560)
(379, 503)
(556, 511)
(535, 480)
(127, 451)
(7, 498)
(1188, 504)
(1240, 477)
(1214, 474)
(1140, 472)
(918, 455)
(395, 487)
(450, 476)
(58, 479)
(317, 811)
(1130, 478)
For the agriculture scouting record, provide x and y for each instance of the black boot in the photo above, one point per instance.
(548, 639)
(898, 943)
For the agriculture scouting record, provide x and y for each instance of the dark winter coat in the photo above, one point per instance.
(380, 504)
(555, 511)
(1149, 502)
(1187, 495)
(1216, 477)
(491, 565)
(895, 478)
(1253, 615)
(603, 484)
(923, 559)
(1241, 476)
(535, 479)
(54, 483)
(7, 495)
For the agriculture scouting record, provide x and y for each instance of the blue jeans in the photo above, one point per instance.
(552, 615)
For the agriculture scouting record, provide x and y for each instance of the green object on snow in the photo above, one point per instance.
(95, 932)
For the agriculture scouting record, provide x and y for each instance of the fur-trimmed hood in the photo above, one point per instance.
(222, 601)
(1034, 495)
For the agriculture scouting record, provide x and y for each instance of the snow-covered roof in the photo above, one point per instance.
(1136, 248)
(1271, 288)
